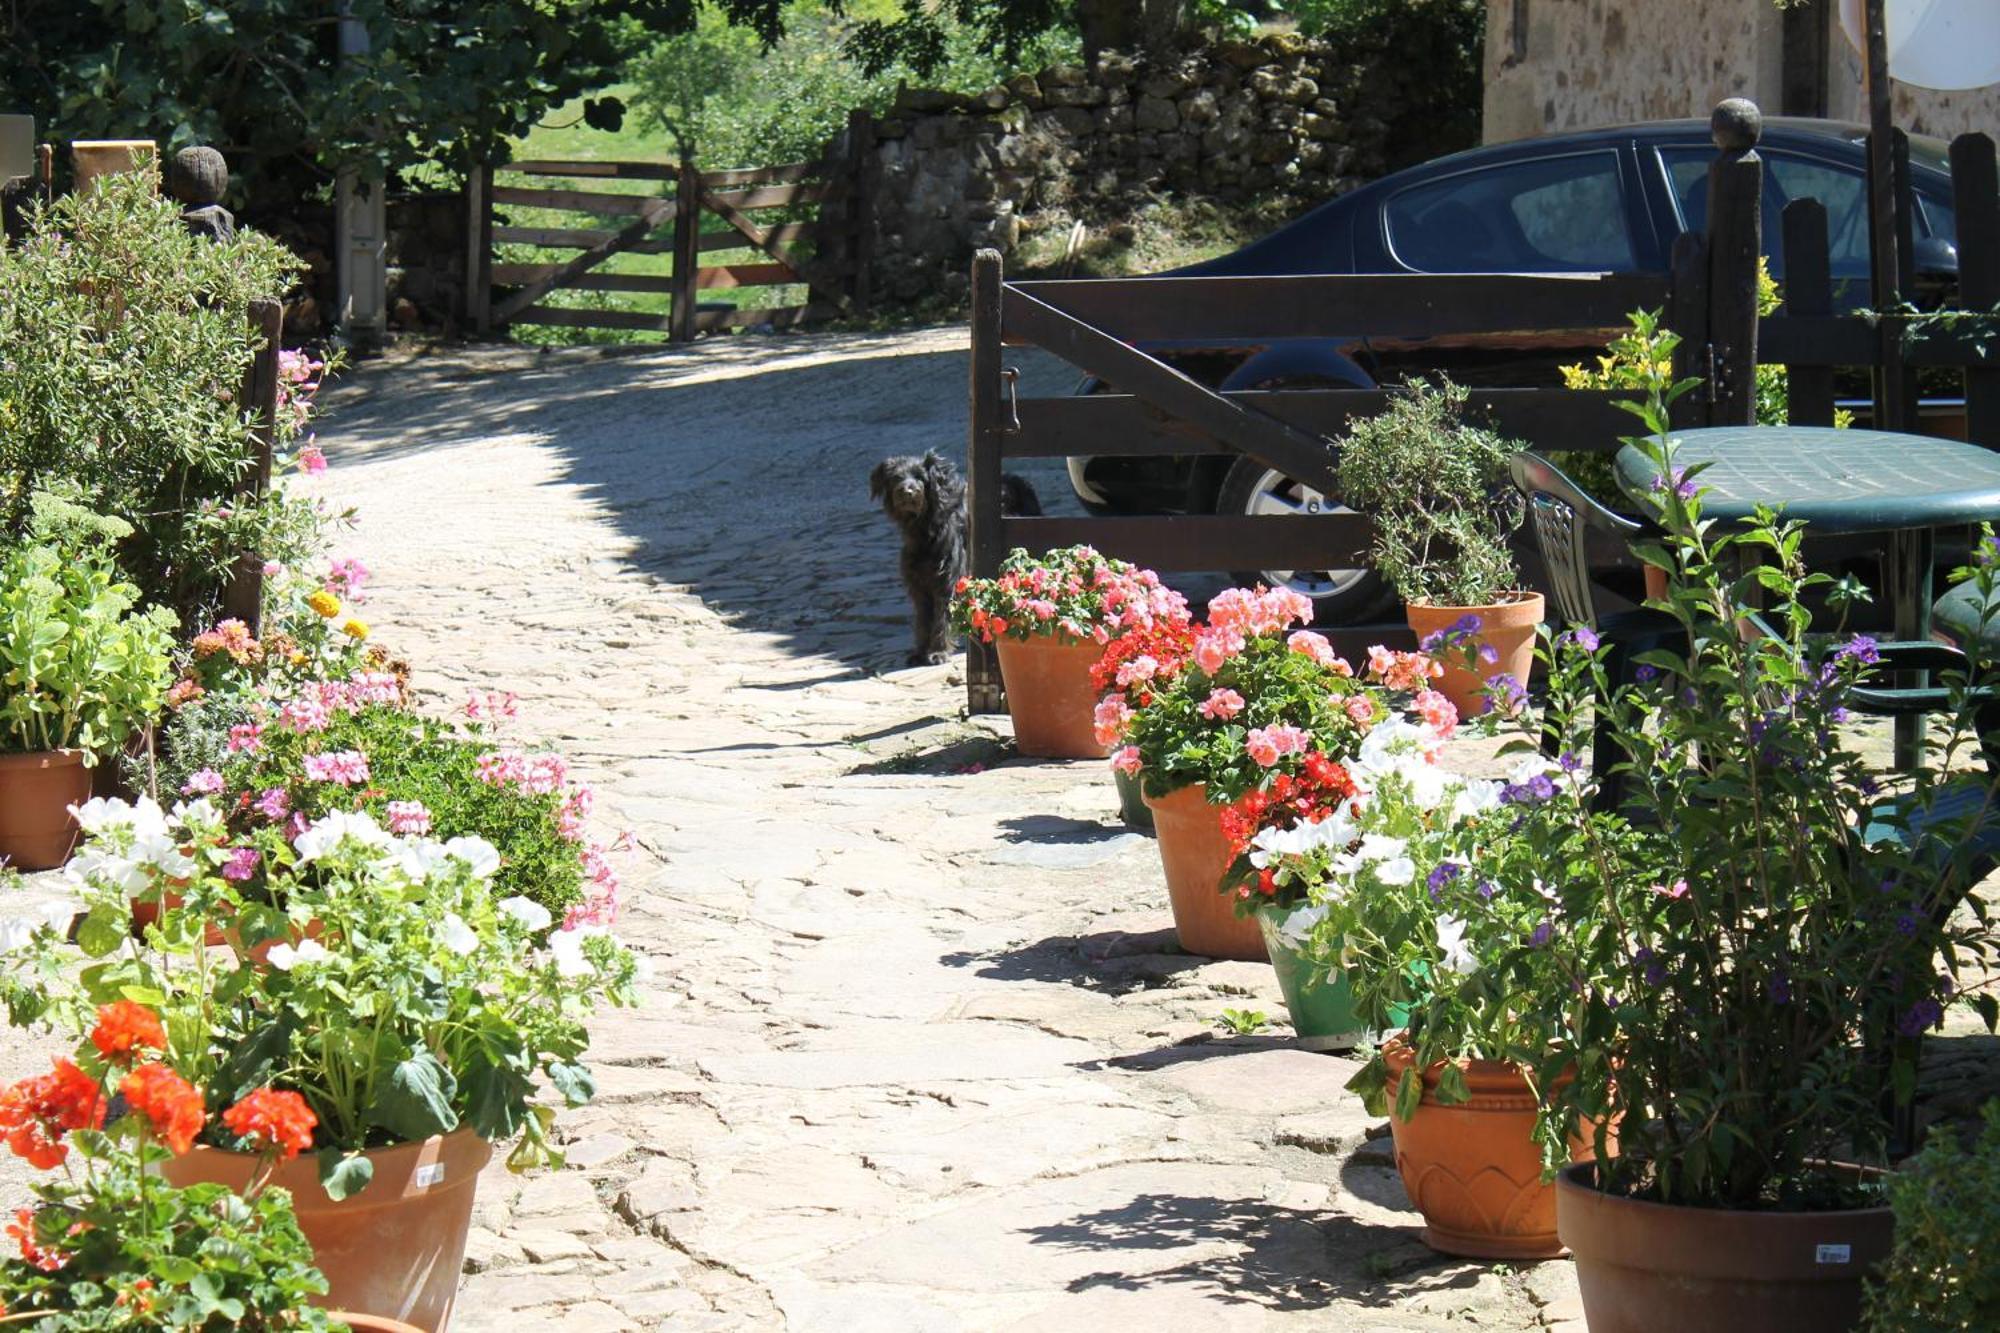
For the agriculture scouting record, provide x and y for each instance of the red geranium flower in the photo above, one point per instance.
(124, 1028)
(36, 1112)
(22, 1229)
(279, 1122)
(169, 1103)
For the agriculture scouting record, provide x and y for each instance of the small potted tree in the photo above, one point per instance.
(1436, 488)
(80, 670)
(1049, 618)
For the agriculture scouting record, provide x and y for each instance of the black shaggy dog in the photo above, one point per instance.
(925, 499)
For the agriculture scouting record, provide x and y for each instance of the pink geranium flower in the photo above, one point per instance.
(1221, 705)
(241, 863)
(408, 818)
(349, 768)
(202, 782)
(1126, 759)
(1438, 712)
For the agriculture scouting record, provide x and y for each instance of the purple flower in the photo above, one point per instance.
(1488, 654)
(1645, 672)
(1920, 1017)
(1543, 934)
(1467, 624)
(1507, 693)
(1780, 988)
(1688, 697)
(1569, 763)
(1907, 922)
(1584, 637)
(1653, 971)
(1431, 642)
(1487, 888)
(1860, 649)
(1442, 874)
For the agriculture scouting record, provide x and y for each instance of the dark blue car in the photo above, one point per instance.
(1602, 201)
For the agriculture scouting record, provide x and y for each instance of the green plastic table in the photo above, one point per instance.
(1845, 481)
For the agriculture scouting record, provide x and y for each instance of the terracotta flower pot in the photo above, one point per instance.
(1473, 1168)
(1194, 854)
(258, 955)
(1508, 628)
(396, 1248)
(1050, 696)
(36, 792)
(1658, 1268)
(368, 1323)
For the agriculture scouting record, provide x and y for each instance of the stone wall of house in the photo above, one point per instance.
(426, 254)
(1282, 117)
(1555, 65)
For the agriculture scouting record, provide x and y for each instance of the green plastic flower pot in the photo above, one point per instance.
(1131, 800)
(1321, 1004)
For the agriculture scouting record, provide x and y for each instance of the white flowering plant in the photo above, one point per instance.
(385, 981)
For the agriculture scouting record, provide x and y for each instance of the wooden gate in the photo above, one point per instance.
(641, 229)
(1104, 326)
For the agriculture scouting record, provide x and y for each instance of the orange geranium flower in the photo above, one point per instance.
(22, 1229)
(37, 1112)
(274, 1121)
(169, 1103)
(124, 1028)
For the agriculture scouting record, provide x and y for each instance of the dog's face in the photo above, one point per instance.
(903, 487)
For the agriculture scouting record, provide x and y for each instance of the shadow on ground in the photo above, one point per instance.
(1295, 1260)
(1113, 961)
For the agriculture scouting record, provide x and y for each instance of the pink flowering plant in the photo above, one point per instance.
(1258, 697)
(1074, 594)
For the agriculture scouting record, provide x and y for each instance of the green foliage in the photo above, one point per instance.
(1941, 1277)
(442, 82)
(1244, 1022)
(1444, 38)
(739, 103)
(1436, 488)
(123, 346)
(82, 669)
(404, 996)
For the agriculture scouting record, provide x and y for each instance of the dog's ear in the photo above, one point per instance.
(878, 480)
(937, 470)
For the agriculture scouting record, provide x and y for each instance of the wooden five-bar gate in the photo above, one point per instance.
(1105, 327)
(780, 215)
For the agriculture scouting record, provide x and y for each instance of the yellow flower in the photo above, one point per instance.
(325, 603)
(355, 629)
(298, 658)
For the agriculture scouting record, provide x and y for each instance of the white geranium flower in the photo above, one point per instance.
(102, 812)
(16, 933)
(417, 857)
(527, 911)
(566, 947)
(105, 869)
(1396, 870)
(1295, 928)
(198, 813)
(148, 816)
(1474, 796)
(1389, 744)
(336, 827)
(456, 936)
(1428, 784)
(1451, 941)
(160, 850)
(285, 957)
(1379, 847)
(1531, 767)
(482, 856)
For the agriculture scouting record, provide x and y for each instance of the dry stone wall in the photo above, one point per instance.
(1283, 117)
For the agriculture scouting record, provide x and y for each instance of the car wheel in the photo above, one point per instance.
(1340, 596)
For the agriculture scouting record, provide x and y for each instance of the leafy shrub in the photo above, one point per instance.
(81, 668)
(123, 346)
(1435, 486)
(1941, 1276)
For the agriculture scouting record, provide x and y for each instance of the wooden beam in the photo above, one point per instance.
(746, 275)
(1273, 442)
(516, 275)
(565, 238)
(243, 598)
(1258, 309)
(768, 196)
(656, 212)
(789, 174)
(1808, 294)
(985, 445)
(652, 171)
(1224, 543)
(574, 201)
(687, 252)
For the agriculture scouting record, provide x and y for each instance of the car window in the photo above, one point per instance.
(1550, 215)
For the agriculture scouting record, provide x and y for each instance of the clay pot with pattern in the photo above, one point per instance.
(1473, 1168)
(1195, 854)
(1049, 695)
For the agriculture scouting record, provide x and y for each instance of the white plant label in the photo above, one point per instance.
(1833, 1254)
(431, 1173)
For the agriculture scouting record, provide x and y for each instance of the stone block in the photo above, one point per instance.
(1115, 120)
(1157, 113)
(1085, 95)
(1062, 76)
(1199, 110)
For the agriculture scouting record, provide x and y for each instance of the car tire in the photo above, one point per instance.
(1339, 597)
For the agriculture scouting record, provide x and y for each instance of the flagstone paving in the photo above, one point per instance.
(917, 1052)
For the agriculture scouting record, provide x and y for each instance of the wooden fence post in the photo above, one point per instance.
(1687, 315)
(243, 599)
(1808, 293)
(687, 251)
(860, 206)
(1975, 185)
(479, 247)
(1735, 239)
(982, 668)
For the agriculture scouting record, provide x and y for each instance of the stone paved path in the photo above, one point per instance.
(916, 1055)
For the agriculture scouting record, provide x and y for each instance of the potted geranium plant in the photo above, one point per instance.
(106, 1242)
(1049, 618)
(1733, 953)
(476, 1004)
(1256, 701)
(81, 669)
(1136, 664)
(1436, 486)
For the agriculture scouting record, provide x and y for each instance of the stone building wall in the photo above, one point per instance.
(1281, 118)
(1555, 65)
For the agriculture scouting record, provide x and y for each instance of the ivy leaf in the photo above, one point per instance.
(414, 1102)
(578, 1085)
